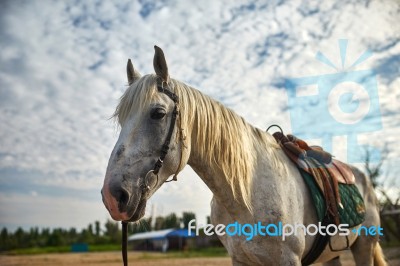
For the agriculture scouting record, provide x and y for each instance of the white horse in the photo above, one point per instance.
(249, 175)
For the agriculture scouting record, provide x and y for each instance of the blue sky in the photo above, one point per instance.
(62, 71)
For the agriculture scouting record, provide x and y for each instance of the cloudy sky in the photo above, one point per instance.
(62, 71)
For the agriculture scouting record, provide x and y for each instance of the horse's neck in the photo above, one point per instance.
(217, 182)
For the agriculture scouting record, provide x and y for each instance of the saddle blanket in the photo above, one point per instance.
(353, 212)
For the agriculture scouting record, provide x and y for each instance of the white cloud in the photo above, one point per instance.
(62, 70)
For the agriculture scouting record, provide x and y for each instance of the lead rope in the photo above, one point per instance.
(125, 242)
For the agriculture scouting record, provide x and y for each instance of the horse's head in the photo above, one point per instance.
(150, 146)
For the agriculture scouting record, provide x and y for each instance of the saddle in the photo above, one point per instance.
(326, 171)
(330, 182)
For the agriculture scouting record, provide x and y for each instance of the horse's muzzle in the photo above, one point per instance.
(116, 200)
(123, 202)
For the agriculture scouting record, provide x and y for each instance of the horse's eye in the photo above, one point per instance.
(157, 113)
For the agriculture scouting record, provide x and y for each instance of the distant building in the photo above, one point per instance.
(161, 240)
(79, 247)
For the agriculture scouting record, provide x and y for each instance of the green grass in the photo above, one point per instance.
(39, 250)
(107, 247)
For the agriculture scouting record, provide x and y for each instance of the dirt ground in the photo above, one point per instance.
(106, 258)
(138, 259)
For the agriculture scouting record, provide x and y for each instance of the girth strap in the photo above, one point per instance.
(318, 246)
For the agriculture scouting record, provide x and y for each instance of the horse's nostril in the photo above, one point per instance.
(122, 196)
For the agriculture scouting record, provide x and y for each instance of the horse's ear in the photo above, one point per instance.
(160, 65)
(131, 73)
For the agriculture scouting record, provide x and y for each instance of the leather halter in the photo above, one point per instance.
(165, 146)
(157, 165)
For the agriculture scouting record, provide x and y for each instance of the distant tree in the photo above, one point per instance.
(56, 238)
(160, 223)
(112, 231)
(4, 233)
(90, 229)
(34, 237)
(86, 237)
(390, 216)
(44, 235)
(146, 224)
(73, 235)
(21, 238)
(97, 228)
(4, 239)
(143, 225)
(373, 171)
(171, 221)
(187, 217)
